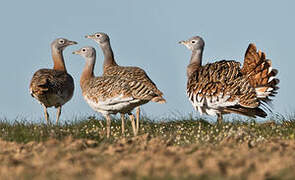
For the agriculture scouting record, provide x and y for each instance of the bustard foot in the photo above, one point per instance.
(46, 115)
(123, 124)
(108, 118)
(137, 119)
(219, 118)
(131, 116)
(58, 114)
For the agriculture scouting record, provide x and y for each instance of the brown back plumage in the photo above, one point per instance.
(106, 87)
(219, 79)
(52, 87)
(137, 74)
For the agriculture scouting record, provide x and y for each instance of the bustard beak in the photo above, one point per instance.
(76, 52)
(182, 42)
(72, 42)
(89, 36)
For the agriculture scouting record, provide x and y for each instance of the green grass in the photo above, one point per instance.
(176, 132)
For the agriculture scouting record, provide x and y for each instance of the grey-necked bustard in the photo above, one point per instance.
(53, 87)
(111, 68)
(223, 87)
(112, 94)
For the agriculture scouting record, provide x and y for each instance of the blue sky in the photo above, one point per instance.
(144, 34)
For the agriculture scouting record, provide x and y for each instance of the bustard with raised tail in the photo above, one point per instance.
(224, 87)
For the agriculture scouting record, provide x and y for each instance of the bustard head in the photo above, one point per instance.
(194, 43)
(86, 52)
(61, 43)
(99, 37)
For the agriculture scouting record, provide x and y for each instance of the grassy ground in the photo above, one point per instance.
(178, 149)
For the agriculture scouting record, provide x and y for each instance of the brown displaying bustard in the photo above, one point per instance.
(53, 87)
(112, 94)
(111, 68)
(224, 87)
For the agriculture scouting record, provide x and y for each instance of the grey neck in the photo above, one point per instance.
(108, 54)
(195, 62)
(196, 57)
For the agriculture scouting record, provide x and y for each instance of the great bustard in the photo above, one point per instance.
(223, 87)
(112, 94)
(53, 87)
(111, 68)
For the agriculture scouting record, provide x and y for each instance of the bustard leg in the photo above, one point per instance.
(219, 118)
(58, 114)
(123, 124)
(137, 118)
(131, 116)
(108, 118)
(46, 114)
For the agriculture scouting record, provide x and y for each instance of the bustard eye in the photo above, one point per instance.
(193, 41)
(83, 50)
(97, 35)
(61, 41)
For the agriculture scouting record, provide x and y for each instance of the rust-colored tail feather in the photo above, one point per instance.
(259, 71)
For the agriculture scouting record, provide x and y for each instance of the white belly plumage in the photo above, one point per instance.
(114, 105)
(211, 105)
